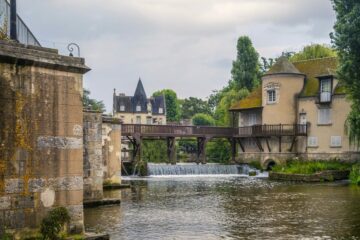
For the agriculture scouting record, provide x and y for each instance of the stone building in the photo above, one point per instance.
(306, 93)
(41, 135)
(139, 109)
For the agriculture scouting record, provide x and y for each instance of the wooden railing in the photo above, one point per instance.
(172, 130)
(273, 130)
(189, 131)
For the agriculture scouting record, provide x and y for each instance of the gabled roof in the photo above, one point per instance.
(283, 66)
(254, 100)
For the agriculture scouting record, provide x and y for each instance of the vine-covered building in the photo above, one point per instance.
(139, 109)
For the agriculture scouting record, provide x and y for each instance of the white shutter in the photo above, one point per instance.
(324, 116)
(312, 141)
(335, 141)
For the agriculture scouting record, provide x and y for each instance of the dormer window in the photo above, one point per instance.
(138, 108)
(271, 96)
(161, 110)
(325, 90)
(122, 108)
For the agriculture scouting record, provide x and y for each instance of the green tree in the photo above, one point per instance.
(3, 28)
(154, 151)
(245, 70)
(222, 114)
(191, 106)
(92, 104)
(172, 104)
(313, 51)
(347, 43)
(218, 151)
(201, 119)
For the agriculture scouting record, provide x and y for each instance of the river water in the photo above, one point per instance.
(229, 207)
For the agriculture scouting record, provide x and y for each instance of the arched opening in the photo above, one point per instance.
(269, 165)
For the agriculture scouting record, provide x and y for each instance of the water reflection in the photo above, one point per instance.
(230, 208)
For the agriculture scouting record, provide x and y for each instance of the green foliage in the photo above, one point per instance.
(355, 174)
(310, 167)
(202, 119)
(6, 236)
(191, 106)
(172, 104)
(222, 114)
(245, 70)
(4, 28)
(313, 51)
(218, 151)
(54, 223)
(347, 43)
(154, 151)
(255, 164)
(92, 104)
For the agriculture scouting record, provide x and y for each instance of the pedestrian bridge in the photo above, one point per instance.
(138, 132)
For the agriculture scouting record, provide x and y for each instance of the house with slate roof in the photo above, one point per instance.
(139, 109)
(305, 92)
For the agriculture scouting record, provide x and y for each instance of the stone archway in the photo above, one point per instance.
(268, 164)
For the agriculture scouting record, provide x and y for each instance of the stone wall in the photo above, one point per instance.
(41, 158)
(93, 163)
(111, 141)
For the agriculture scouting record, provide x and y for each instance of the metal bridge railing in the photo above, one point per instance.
(25, 36)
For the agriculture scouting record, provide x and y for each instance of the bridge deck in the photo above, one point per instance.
(214, 132)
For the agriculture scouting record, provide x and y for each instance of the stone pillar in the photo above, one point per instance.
(93, 164)
(111, 150)
(40, 135)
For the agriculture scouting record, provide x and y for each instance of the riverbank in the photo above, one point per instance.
(312, 171)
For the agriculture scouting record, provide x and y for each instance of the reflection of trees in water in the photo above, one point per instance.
(301, 210)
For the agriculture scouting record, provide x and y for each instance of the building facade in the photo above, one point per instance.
(306, 93)
(139, 109)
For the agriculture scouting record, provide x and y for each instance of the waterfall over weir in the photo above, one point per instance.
(194, 169)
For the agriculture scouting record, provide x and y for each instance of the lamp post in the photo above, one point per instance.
(13, 18)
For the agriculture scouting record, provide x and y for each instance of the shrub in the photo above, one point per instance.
(355, 174)
(54, 223)
(311, 167)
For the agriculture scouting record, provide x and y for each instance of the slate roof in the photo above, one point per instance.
(139, 99)
(312, 69)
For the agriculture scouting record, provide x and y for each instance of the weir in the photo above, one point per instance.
(195, 169)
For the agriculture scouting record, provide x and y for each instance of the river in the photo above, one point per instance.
(229, 207)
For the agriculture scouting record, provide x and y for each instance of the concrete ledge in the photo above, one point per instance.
(330, 175)
(97, 236)
(115, 186)
(102, 202)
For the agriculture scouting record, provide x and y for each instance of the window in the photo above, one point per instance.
(138, 120)
(122, 108)
(138, 108)
(161, 110)
(148, 120)
(271, 96)
(312, 141)
(252, 119)
(324, 116)
(303, 119)
(335, 141)
(325, 90)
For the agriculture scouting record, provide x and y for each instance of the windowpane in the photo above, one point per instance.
(122, 108)
(161, 111)
(271, 96)
(326, 85)
(138, 120)
(335, 141)
(312, 141)
(324, 116)
(138, 108)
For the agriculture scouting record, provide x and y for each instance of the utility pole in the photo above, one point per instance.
(13, 18)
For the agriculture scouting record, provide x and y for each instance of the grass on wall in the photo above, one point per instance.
(355, 174)
(302, 167)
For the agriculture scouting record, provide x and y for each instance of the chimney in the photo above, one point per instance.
(13, 17)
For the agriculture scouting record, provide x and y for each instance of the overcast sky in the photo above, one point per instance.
(184, 45)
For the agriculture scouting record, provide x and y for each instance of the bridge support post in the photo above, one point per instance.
(171, 149)
(233, 149)
(201, 147)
